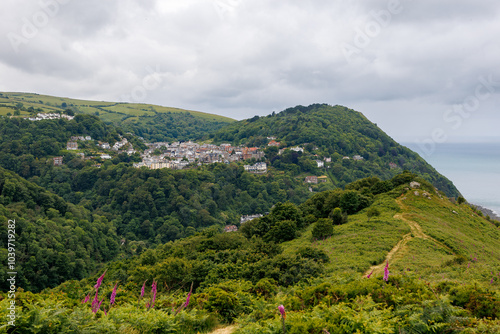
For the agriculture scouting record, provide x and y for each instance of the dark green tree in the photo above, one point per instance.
(323, 228)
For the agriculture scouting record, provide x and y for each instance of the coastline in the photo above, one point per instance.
(486, 211)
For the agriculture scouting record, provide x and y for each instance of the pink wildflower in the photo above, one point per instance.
(87, 298)
(143, 288)
(368, 276)
(99, 306)
(95, 302)
(99, 280)
(386, 272)
(113, 295)
(151, 303)
(281, 308)
(189, 296)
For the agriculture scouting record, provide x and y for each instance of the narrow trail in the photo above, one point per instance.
(399, 249)
(225, 330)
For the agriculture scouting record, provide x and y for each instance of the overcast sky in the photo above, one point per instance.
(422, 70)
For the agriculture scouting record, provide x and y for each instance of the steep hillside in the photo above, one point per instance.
(421, 233)
(333, 132)
(155, 123)
(443, 263)
(54, 240)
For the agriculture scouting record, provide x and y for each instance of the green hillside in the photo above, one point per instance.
(56, 241)
(443, 261)
(335, 132)
(153, 122)
(321, 250)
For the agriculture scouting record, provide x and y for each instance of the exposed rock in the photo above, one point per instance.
(414, 185)
(416, 193)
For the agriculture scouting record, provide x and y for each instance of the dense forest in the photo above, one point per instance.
(171, 127)
(336, 132)
(145, 208)
(57, 241)
(213, 278)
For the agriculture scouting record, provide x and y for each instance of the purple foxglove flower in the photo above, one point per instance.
(281, 308)
(94, 303)
(87, 298)
(99, 306)
(369, 275)
(99, 280)
(153, 295)
(189, 296)
(113, 295)
(386, 272)
(143, 288)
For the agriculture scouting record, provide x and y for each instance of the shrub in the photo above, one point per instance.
(313, 254)
(265, 287)
(338, 218)
(482, 303)
(372, 212)
(225, 304)
(323, 228)
(282, 231)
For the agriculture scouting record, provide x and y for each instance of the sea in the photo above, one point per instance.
(474, 168)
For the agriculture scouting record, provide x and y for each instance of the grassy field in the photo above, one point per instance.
(430, 239)
(106, 110)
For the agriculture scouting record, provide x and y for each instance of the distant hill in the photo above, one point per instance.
(334, 132)
(153, 122)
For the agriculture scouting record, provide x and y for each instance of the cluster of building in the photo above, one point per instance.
(355, 157)
(72, 144)
(315, 179)
(40, 117)
(245, 218)
(178, 155)
(118, 146)
(259, 167)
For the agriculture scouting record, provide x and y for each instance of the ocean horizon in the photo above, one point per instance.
(474, 168)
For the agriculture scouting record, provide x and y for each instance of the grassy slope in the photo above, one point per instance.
(108, 111)
(428, 240)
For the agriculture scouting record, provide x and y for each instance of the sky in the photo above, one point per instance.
(426, 72)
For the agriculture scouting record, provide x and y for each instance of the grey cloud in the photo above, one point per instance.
(241, 58)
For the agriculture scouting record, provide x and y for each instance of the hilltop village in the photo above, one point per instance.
(178, 155)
